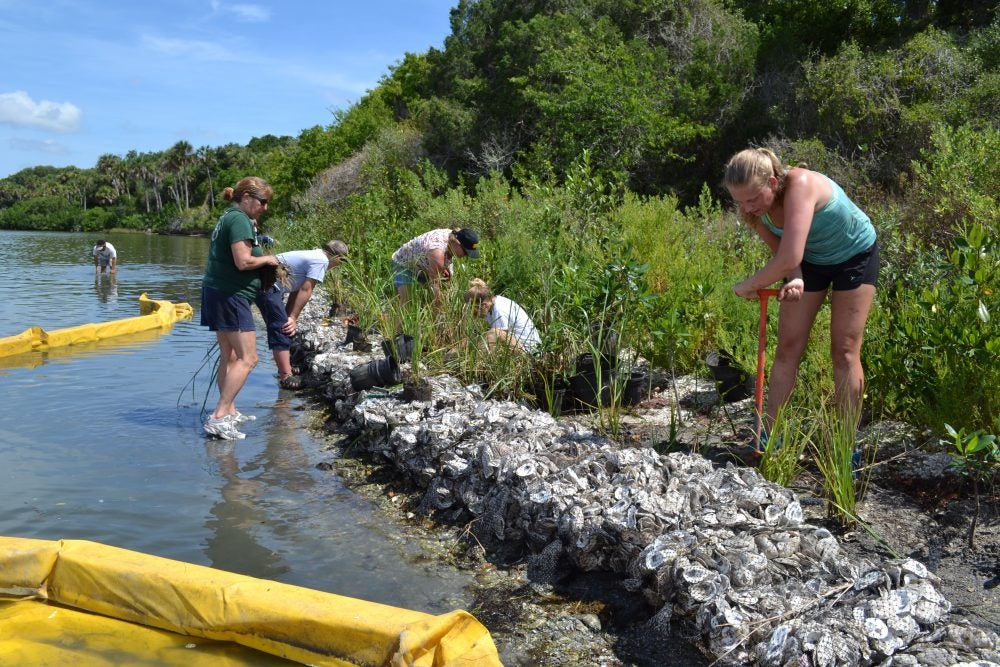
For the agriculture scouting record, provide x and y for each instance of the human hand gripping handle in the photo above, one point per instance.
(764, 295)
(792, 290)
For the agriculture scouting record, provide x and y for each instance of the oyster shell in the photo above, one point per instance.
(722, 546)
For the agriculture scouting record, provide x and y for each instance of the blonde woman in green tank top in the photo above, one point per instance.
(822, 245)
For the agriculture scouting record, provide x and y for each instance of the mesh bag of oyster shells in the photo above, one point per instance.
(721, 548)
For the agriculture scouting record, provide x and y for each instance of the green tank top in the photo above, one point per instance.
(839, 230)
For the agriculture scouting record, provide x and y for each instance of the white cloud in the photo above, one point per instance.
(18, 108)
(242, 12)
(38, 146)
(251, 13)
(187, 47)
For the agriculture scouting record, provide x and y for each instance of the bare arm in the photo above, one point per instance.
(766, 235)
(297, 300)
(245, 261)
(437, 270)
(801, 196)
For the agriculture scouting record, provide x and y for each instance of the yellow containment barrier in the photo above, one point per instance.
(153, 315)
(78, 602)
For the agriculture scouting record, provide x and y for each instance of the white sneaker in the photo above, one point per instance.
(240, 418)
(224, 428)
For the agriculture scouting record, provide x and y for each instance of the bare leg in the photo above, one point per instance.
(848, 315)
(226, 356)
(283, 360)
(795, 320)
(404, 294)
(237, 357)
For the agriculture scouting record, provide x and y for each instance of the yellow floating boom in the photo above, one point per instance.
(79, 602)
(154, 315)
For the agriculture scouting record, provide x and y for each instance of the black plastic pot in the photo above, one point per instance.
(420, 390)
(636, 388)
(354, 333)
(583, 385)
(732, 382)
(584, 389)
(374, 373)
(552, 401)
(401, 350)
(357, 339)
(585, 363)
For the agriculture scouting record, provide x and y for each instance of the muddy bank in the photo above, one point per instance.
(710, 553)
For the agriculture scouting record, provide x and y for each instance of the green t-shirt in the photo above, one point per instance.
(221, 273)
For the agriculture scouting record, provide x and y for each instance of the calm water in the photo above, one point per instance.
(103, 442)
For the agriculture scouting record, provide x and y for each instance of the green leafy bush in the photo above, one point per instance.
(933, 356)
(955, 183)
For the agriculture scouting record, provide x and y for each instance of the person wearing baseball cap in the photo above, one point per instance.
(282, 303)
(468, 239)
(427, 259)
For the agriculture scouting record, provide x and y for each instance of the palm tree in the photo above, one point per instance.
(207, 157)
(178, 160)
(113, 169)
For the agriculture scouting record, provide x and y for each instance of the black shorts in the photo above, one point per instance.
(862, 269)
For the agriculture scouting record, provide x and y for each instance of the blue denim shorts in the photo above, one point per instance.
(402, 276)
(272, 308)
(225, 312)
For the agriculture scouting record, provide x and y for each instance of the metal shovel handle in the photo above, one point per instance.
(764, 296)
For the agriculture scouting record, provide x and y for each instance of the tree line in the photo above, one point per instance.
(657, 93)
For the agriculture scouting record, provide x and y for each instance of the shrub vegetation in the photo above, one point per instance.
(585, 142)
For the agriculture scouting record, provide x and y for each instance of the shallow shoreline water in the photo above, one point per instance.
(103, 442)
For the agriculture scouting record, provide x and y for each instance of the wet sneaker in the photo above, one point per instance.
(240, 418)
(856, 463)
(291, 382)
(765, 438)
(224, 428)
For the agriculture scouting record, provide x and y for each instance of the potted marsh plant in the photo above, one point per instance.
(412, 323)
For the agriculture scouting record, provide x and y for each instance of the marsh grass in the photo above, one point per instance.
(834, 451)
(931, 343)
(790, 436)
(211, 362)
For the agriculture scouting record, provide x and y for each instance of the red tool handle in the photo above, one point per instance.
(764, 295)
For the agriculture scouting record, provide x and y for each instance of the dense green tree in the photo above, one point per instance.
(881, 106)
(651, 94)
(112, 168)
(44, 213)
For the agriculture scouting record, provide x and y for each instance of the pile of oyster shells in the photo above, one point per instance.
(721, 548)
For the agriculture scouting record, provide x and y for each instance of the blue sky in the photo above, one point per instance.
(86, 77)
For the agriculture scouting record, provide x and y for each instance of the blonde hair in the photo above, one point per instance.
(754, 166)
(252, 185)
(478, 291)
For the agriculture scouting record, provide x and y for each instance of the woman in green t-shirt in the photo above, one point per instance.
(230, 284)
